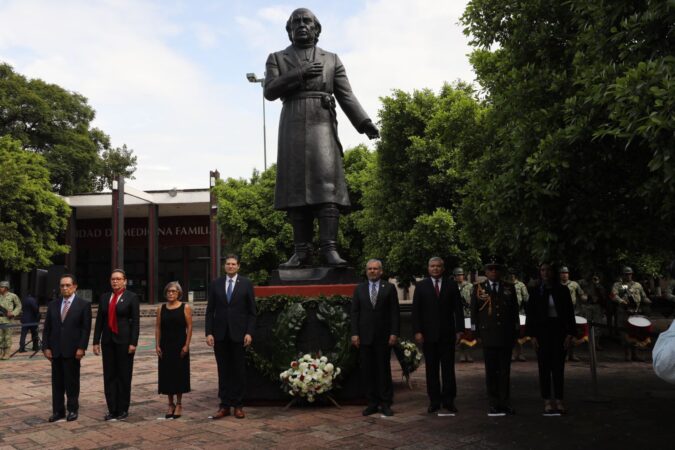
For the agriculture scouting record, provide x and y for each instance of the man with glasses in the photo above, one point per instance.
(116, 337)
(64, 341)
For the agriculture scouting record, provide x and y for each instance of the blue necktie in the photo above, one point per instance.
(229, 290)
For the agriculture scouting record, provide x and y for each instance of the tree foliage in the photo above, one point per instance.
(31, 216)
(579, 166)
(411, 202)
(48, 120)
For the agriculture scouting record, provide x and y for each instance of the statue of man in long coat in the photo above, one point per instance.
(310, 173)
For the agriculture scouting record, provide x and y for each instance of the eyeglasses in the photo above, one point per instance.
(65, 285)
(117, 279)
(172, 290)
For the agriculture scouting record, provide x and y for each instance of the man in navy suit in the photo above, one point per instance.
(438, 322)
(30, 318)
(64, 342)
(375, 329)
(116, 337)
(230, 321)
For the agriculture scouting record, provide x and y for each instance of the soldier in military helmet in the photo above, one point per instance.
(630, 298)
(466, 342)
(494, 319)
(10, 308)
(578, 296)
(523, 296)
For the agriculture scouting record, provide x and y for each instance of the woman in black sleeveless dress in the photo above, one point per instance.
(173, 331)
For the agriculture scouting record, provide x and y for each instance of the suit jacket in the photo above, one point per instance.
(374, 325)
(30, 310)
(63, 338)
(309, 161)
(537, 309)
(128, 320)
(499, 325)
(235, 319)
(437, 318)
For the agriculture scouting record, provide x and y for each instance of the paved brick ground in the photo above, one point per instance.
(638, 415)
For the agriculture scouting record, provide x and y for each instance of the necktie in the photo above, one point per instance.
(112, 312)
(229, 290)
(494, 288)
(373, 294)
(438, 288)
(64, 313)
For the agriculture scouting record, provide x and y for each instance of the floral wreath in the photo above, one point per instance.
(329, 310)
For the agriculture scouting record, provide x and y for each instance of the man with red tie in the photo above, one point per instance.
(438, 322)
(64, 340)
(116, 337)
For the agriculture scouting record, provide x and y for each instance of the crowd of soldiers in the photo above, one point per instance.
(608, 310)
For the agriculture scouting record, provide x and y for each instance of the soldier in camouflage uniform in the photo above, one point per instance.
(523, 296)
(630, 297)
(595, 305)
(10, 307)
(465, 288)
(578, 296)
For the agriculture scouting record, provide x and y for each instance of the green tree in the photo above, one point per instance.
(55, 123)
(579, 165)
(31, 216)
(422, 162)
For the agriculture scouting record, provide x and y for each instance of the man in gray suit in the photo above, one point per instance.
(310, 175)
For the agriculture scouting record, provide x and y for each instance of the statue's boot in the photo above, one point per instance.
(329, 219)
(303, 229)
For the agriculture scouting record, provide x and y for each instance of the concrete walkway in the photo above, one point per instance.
(638, 416)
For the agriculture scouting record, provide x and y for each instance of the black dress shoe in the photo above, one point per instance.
(123, 415)
(72, 415)
(56, 417)
(21, 350)
(433, 408)
(450, 407)
(110, 416)
(496, 412)
(369, 410)
(386, 411)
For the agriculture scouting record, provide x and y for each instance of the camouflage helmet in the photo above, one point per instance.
(564, 269)
(627, 269)
(4, 284)
(458, 271)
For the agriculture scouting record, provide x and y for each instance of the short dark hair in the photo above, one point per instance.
(124, 274)
(231, 256)
(68, 275)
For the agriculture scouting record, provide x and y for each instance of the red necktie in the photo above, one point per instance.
(112, 311)
(438, 290)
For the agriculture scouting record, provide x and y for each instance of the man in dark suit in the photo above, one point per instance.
(375, 328)
(116, 336)
(495, 320)
(30, 318)
(310, 175)
(64, 341)
(438, 322)
(230, 322)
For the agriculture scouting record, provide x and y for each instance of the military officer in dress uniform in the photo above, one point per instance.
(494, 318)
(629, 296)
(466, 342)
(578, 296)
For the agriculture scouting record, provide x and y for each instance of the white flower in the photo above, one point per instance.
(407, 353)
(329, 368)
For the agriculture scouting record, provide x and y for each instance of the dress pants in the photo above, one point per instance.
(498, 375)
(118, 365)
(34, 335)
(375, 362)
(440, 357)
(231, 362)
(65, 380)
(551, 359)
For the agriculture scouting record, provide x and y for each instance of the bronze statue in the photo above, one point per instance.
(310, 173)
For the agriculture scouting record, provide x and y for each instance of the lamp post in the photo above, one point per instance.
(251, 77)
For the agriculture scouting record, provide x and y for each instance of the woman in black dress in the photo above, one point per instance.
(173, 331)
(550, 323)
